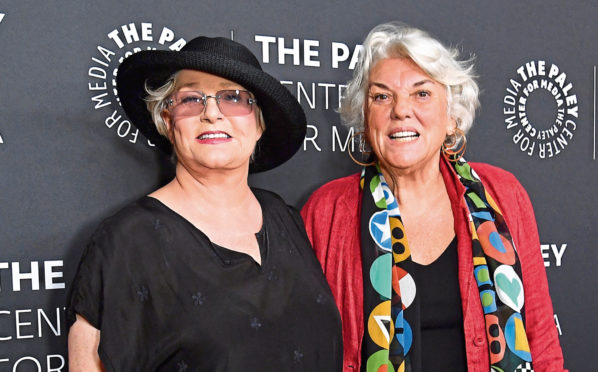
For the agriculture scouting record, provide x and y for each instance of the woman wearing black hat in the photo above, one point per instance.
(205, 273)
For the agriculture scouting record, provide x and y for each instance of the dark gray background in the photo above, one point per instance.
(62, 170)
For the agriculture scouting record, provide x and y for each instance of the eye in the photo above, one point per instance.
(231, 96)
(380, 97)
(190, 98)
(422, 94)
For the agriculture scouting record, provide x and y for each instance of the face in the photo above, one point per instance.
(406, 115)
(210, 139)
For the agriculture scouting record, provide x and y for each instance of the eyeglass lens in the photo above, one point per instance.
(230, 102)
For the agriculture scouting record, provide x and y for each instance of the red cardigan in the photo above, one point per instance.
(332, 221)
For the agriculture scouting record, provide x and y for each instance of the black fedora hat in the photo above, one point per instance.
(284, 117)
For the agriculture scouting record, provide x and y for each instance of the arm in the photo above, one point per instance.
(83, 342)
(331, 217)
(541, 329)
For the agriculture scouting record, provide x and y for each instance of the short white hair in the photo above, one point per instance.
(156, 102)
(396, 39)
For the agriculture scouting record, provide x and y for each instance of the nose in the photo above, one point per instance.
(401, 107)
(211, 112)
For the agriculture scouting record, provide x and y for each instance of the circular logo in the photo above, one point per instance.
(120, 43)
(533, 132)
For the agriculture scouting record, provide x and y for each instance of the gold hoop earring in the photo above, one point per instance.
(454, 145)
(362, 144)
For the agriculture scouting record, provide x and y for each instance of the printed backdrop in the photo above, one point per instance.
(69, 157)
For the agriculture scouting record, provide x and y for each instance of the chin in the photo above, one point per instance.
(222, 164)
(405, 163)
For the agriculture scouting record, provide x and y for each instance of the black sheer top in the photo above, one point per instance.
(166, 299)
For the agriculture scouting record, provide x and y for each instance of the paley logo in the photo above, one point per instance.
(122, 42)
(544, 140)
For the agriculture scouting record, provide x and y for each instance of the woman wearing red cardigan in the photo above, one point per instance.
(434, 262)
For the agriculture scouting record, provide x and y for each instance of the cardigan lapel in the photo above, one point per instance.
(456, 192)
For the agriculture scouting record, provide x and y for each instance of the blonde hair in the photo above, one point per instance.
(156, 102)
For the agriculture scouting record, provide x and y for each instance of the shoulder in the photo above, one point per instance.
(143, 220)
(273, 205)
(272, 202)
(343, 190)
(120, 248)
(268, 198)
(141, 213)
(499, 181)
(508, 192)
(493, 173)
(337, 202)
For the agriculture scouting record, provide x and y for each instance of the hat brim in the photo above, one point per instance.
(283, 116)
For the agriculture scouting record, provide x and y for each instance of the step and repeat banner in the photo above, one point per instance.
(69, 157)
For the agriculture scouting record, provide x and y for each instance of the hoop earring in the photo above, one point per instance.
(362, 149)
(454, 145)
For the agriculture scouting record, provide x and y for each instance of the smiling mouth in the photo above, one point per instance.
(212, 136)
(404, 136)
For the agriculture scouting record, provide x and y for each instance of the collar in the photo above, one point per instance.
(454, 187)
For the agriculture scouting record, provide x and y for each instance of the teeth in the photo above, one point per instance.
(213, 135)
(404, 136)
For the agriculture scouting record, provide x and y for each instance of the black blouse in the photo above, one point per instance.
(442, 332)
(166, 299)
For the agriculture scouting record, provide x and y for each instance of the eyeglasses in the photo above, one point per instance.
(230, 102)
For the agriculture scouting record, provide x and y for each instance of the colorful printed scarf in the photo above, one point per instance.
(391, 325)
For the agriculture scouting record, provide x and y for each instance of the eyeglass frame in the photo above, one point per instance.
(251, 101)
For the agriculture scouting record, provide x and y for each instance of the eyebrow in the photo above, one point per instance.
(416, 84)
(230, 84)
(188, 85)
(224, 84)
(379, 85)
(422, 82)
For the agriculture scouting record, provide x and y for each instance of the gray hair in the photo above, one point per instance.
(396, 39)
(156, 102)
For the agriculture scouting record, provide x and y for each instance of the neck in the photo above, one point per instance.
(220, 188)
(415, 185)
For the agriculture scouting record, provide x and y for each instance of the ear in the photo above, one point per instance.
(451, 126)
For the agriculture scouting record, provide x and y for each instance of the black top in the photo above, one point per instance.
(166, 298)
(442, 332)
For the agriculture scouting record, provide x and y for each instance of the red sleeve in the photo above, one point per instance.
(331, 217)
(317, 220)
(547, 355)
